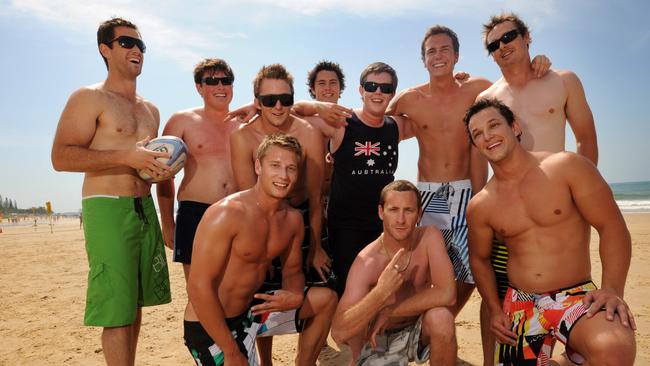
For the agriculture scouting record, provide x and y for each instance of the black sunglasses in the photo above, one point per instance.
(270, 100)
(213, 80)
(371, 87)
(506, 38)
(128, 43)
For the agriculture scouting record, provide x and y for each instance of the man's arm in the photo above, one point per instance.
(359, 304)
(165, 190)
(595, 201)
(480, 248)
(241, 159)
(332, 113)
(580, 118)
(478, 169)
(314, 172)
(212, 248)
(76, 130)
(443, 288)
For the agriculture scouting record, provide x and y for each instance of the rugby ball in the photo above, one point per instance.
(172, 145)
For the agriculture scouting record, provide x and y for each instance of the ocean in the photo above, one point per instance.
(632, 196)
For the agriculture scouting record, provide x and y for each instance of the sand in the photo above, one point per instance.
(42, 297)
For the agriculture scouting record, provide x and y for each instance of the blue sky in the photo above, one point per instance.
(49, 50)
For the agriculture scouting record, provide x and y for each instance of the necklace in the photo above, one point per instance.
(397, 267)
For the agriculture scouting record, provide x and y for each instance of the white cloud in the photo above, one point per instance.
(179, 43)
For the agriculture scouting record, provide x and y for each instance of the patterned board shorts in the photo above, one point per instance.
(539, 320)
(445, 205)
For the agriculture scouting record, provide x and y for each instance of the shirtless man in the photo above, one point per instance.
(398, 290)
(207, 174)
(235, 243)
(365, 154)
(542, 206)
(542, 105)
(102, 132)
(273, 90)
(449, 169)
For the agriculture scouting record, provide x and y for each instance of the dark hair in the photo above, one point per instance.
(485, 103)
(504, 17)
(378, 68)
(106, 32)
(400, 186)
(440, 29)
(211, 65)
(275, 71)
(281, 140)
(325, 66)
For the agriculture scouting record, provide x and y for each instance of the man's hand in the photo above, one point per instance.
(461, 76)
(502, 328)
(391, 278)
(333, 113)
(321, 262)
(540, 64)
(140, 158)
(243, 114)
(607, 299)
(379, 326)
(235, 359)
(168, 235)
(280, 300)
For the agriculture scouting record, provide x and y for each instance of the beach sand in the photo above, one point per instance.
(42, 297)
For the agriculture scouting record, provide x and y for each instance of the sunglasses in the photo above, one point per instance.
(128, 43)
(371, 87)
(213, 80)
(506, 38)
(270, 100)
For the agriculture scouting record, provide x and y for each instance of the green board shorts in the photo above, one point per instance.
(126, 255)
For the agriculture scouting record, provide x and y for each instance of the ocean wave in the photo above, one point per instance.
(633, 205)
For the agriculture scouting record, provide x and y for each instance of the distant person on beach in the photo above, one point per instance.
(234, 245)
(543, 205)
(207, 175)
(398, 290)
(542, 105)
(102, 132)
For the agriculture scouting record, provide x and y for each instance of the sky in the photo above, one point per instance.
(49, 50)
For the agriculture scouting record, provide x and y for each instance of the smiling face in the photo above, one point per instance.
(439, 55)
(127, 61)
(217, 96)
(376, 102)
(277, 171)
(491, 134)
(400, 213)
(508, 53)
(327, 87)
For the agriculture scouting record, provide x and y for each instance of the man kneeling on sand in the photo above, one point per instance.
(542, 206)
(233, 248)
(398, 290)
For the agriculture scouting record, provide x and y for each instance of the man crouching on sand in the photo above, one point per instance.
(233, 248)
(397, 290)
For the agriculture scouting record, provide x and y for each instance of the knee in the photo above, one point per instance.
(322, 299)
(439, 323)
(611, 347)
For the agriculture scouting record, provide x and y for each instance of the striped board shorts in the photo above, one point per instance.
(445, 205)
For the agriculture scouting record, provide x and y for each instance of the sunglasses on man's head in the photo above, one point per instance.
(128, 43)
(270, 100)
(213, 80)
(371, 87)
(506, 38)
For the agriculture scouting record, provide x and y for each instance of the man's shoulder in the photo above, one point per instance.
(185, 116)
(95, 92)
(475, 84)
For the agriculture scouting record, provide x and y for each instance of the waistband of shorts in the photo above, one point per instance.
(193, 205)
(433, 186)
(554, 292)
(118, 201)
